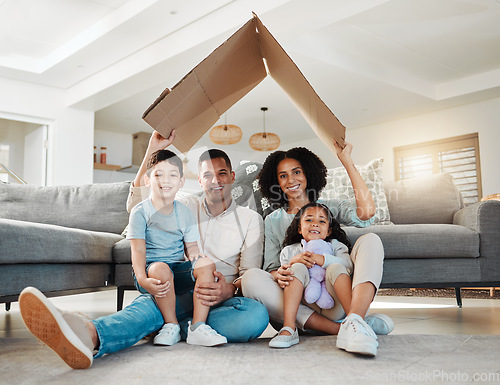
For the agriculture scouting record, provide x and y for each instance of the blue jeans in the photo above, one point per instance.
(239, 319)
(183, 275)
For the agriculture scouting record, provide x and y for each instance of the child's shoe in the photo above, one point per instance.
(168, 335)
(380, 323)
(282, 341)
(204, 335)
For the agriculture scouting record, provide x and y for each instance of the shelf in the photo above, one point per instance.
(107, 167)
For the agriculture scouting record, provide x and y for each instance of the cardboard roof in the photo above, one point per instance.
(232, 70)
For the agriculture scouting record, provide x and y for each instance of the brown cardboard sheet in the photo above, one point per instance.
(196, 102)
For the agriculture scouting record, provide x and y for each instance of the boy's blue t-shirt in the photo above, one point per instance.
(164, 234)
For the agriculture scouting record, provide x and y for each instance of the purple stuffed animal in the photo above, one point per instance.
(316, 291)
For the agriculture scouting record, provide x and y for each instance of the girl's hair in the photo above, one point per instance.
(292, 233)
(314, 170)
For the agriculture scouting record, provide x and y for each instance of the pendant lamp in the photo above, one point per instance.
(264, 141)
(226, 133)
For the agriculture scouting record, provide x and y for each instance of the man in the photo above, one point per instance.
(231, 235)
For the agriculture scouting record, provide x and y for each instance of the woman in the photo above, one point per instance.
(290, 180)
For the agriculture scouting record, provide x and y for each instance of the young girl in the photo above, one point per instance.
(313, 221)
(289, 180)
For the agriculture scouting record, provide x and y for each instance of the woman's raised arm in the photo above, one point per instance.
(364, 199)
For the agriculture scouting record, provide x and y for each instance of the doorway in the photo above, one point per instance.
(23, 151)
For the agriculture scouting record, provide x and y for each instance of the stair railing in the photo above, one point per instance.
(12, 174)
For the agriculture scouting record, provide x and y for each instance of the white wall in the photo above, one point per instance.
(71, 131)
(118, 152)
(12, 134)
(35, 160)
(118, 147)
(378, 141)
(71, 135)
(482, 117)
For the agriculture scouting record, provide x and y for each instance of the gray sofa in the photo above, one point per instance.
(69, 239)
(59, 239)
(435, 241)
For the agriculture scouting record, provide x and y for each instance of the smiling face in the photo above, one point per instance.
(216, 178)
(292, 179)
(314, 224)
(165, 180)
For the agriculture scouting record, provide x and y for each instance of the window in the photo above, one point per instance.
(458, 156)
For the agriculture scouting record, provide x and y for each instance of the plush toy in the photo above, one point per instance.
(316, 290)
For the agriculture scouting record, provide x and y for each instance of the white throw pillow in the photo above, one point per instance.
(338, 186)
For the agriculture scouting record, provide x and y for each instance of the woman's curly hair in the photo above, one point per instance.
(293, 236)
(313, 167)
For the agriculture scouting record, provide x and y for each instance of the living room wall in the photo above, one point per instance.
(481, 117)
(71, 134)
(71, 131)
(379, 140)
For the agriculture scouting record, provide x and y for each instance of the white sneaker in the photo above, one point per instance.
(204, 335)
(168, 335)
(380, 323)
(284, 341)
(356, 336)
(65, 333)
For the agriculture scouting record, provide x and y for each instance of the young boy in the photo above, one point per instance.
(161, 229)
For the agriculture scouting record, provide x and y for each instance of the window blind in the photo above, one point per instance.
(458, 156)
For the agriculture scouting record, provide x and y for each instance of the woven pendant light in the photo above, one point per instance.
(226, 133)
(264, 141)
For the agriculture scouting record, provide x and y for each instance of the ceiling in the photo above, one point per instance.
(371, 61)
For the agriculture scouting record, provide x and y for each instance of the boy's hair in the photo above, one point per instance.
(313, 167)
(215, 153)
(293, 236)
(164, 155)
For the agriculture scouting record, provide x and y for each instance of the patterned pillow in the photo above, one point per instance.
(245, 190)
(338, 186)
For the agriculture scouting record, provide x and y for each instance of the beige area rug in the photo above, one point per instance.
(409, 359)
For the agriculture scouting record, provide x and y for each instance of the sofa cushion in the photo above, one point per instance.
(427, 199)
(422, 241)
(26, 242)
(122, 252)
(96, 207)
(338, 186)
(124, 275)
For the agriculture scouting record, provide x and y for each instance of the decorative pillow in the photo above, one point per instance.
(338, 186)
(409, 202)
(246, 187)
